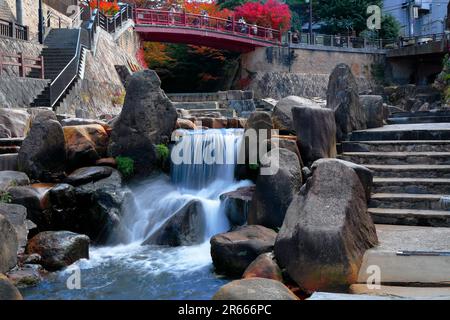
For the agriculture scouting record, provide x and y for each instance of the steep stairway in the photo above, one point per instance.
(410, 202)
(61, 48)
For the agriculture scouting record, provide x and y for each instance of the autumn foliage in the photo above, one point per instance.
(271, 14)
(211, 7)
(107, 7)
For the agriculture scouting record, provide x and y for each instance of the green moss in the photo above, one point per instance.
(162, 151)
(253, 166)
(5, 197)
(125, 165)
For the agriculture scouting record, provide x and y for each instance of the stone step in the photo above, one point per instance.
(396, 157)
(210, 105)
(396, 146)
(415, 270)
(8, 162)
(410, 170)
(406, 114)
(409, 120)
(4, 142)
(410, 201)
(411, 185)
(411, 217)
(228, 113)
(419, 131)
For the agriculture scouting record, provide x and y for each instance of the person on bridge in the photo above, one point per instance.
(242, 25)
(255, 29)
(229, 24)
(172, 12)
(205, 18)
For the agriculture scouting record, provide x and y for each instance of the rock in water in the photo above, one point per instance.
(282, 114)
(274, 192)
(88, 174)
(316, 133)
(59, 249)
(343, 99)
(185, 228)
(374, 110)
(232, 252)
(265, 267)
(326, 231)
(254, 289)
(147, 118)
(7, 290)
(43, 154)
(237, 204)
(8, 245)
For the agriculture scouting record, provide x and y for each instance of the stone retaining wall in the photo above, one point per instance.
(18, 92)
(14, 46)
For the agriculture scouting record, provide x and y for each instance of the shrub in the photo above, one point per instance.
(5, 197)
(253, 166)
(125, 165)
(162, 151)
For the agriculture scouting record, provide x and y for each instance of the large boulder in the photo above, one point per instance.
(16, 121)
(329, 216)
(8, 245)
(17, 215)
(282, 113)
(85, 144)
(7, 290)
(68, 122)
(254, 289)
(237, 204)
(274, 191)
(365, 175)
(42, 155)
(232, 252)
(374, 109)
(148, 117)
(343, 99)
(12, 178)
(316, 133)
(184, 228)
(59, 249)
(265, 267)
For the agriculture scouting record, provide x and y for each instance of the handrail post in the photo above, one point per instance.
(21, 66)
(13, 30)
(42, 68)
(26, 31)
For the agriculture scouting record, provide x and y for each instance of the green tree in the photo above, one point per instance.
(390, 27)
(231, 4)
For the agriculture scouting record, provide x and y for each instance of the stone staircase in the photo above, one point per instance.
(410, 201)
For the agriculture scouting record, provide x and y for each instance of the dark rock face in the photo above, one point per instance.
(59, 249)
(316, 133)
(282, 113)
(343, 99)
(43, 154)
(88, 174)
(328, 216)
(237, 205)
(365, 175)
(186, 227)
(232, 252)
(8, 245)
(147, 118)
(274, 192)
(374, 110)
(17, 215)
(265, 267)
(13, 178)
(26, 276)
(16, 121)
(7, 290)
(254, 289)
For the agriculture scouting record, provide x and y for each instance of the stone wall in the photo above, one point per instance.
(13, 46)
(18, 92)
(273, 72)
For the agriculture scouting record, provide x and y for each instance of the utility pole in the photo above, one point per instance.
(41, 23)
(19, 12)
(310, 20)
(411, 17)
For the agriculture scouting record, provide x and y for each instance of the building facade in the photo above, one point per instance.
(419, 17)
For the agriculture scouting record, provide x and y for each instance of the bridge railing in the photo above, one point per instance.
(13, 30)
(197, 21)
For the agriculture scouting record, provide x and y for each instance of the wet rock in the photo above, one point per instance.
(8, 245)
(329, 216)
(148, 117)
(275, 189)
(254, 289)
(26, 276)
(42, 155)
(106, 162)
(59, 249)
(186, 227)
(7, 290)
(85, 144)
(232, 252)
(185, 124)
(13, 178)
(88, 174)
(265, 267)
(282, 113)
(316, 133)
(237, 204)
(16, 121)
(343, 99)
(374, 110)
(17, 215)
(85, 122)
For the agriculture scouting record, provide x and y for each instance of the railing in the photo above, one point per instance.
(91, 28)
(111, 24)
(197, 21)
(13, 30)
(22, 62)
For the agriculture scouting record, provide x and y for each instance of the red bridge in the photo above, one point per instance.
(228, 34)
